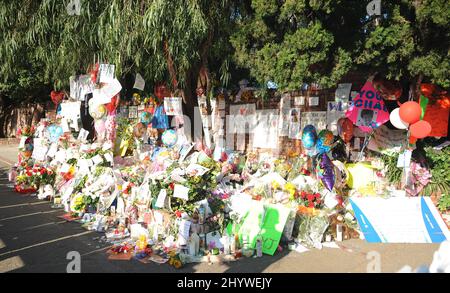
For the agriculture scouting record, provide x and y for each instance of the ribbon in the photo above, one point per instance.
(423, 105)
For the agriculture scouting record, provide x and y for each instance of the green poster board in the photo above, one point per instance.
(269, 221)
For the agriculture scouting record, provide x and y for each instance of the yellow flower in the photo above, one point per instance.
(275, 185)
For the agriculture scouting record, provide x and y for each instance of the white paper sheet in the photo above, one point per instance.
(160, 201)
(139, 82)
(181, 191)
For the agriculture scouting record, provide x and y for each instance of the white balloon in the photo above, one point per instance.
(395, 119)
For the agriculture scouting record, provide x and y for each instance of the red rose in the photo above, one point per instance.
(303, 194)
(178, 214)
(311, 205)
(317, 195)
(319, 201)
(28, 173)
(171, 186)
(310, 197)
(42, 171)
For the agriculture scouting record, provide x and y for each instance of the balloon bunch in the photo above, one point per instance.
(319, 145)
(408, 116)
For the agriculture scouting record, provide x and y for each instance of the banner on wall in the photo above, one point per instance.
(399, 220)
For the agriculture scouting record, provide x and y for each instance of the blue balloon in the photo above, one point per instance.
(321, 148)
(309, 136)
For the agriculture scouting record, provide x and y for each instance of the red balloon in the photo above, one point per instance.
(410, 112)
(412, 139)
(420, 129)
(345, 129)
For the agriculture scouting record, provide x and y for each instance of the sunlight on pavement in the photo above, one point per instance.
(46, 242)
(27, 215)
(23, 204)
(10, 264)
(2, 244)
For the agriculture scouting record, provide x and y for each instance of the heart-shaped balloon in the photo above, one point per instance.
(56, 97)
(55, 131)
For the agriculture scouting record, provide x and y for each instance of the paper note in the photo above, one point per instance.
(181, 191)
(160, 201)
(39, 150)
(65, 125)
(183, 232)
(110, 90)
(313, 101)
(52, 151)
(139, 82)
(404, 159)
(196, 170)
(109, 157)
(97, 159)
(83, 134)
(22, 142)
(342, 92)
(106, 72)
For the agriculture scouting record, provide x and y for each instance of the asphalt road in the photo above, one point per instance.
(34, 239)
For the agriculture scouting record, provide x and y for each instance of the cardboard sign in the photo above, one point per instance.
(438, 119)
(268, 222)
(399, 220)
(368, 110)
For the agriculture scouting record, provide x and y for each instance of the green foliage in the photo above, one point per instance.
(439, 165)
(444, 202)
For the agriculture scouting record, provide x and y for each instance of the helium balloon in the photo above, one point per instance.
(55, 131)
(56, 97)
(146, 118)
(97, 111)
(395, 119)
(345, 129)
(410, 112)
(139, 130)
(325, 171)
(324, 141)
(412, 139)
(169, 138)
(420, 129)
(309, 137)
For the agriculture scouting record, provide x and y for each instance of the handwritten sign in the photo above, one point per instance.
(387, 140)
(318, 119)
(172, 106)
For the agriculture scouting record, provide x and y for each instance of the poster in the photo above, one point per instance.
(438, 119)
(387, 140)
(265, 131)
(368, 110)
(295, 126)
(173, 106)
(399, 220)
(299, 101)
(71, 110)
(268, 221)
(318, 119)
(335, 110)
(342, 92)
(106, 72)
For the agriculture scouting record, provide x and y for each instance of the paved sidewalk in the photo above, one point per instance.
(34, 239)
